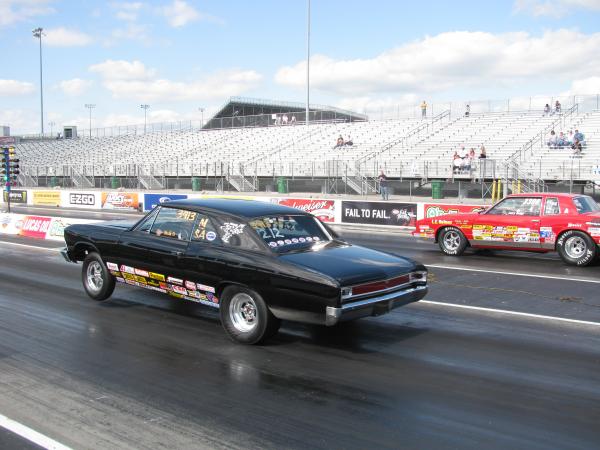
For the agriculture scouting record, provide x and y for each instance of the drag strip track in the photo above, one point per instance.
(145, 371)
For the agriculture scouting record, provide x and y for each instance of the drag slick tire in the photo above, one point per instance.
(576, 248)
(246, 317)
(98, 283)
(452, 241)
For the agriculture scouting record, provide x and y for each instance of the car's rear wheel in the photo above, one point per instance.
(576, 248)
(452, 241)
(98, 283)
(246, 317)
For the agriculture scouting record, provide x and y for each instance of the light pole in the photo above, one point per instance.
(307, 61)
(51, 123)
(90, 106)
(201, 120)
(38, 33)
(145, 108)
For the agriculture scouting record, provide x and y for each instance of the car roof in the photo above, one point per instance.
(233, 206)
(546, 194)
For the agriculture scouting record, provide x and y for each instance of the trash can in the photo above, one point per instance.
(281, 185)
(196, 185)
(114, 183)
(437, 189)
(53, 182)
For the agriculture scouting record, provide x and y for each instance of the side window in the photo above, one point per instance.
(204, 230)
(517, 206)
(146, 224)
(234, 233)
(174, 223)
(551, 208)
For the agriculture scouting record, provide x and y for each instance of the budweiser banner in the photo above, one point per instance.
(323, 209)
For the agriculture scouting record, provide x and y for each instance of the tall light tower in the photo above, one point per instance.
(51, 124)
(38, 33)
(307, 61)
(90, 106)
(202, 115)
(145, 108)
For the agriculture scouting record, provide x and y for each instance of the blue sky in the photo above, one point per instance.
(179, 55)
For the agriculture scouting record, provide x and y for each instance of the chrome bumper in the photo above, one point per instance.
(375, 306)
(65, 254)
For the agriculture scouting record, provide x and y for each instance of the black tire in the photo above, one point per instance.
(576, 248)
(246, 317)
(452, 241)
(98, 282)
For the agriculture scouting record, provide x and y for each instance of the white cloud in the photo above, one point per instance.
(585, 86)
(63, 37)
(554, 8)
(14, 87)
(13, 11)
(75, 86)
(127, 11)
(180, 13)
(112, 70)
(453, 60)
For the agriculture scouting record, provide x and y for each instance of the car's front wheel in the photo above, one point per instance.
(576, 248)
(452, 241)
(245, 316)
(98, 283)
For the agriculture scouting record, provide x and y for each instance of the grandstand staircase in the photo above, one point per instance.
(148, 180)
(24, 179)
(80, 180)
(239, 181)
(351, 177)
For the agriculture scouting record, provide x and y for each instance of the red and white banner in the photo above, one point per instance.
(323, 209)
(35, 226)
(439, 209)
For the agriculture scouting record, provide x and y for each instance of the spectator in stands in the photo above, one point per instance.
(561, 141)
(557, 107)
(285, 119)
(340, 142)
(570, 139)
(579, 137)
(293, 121)
(467, 110)
(349, 142)
(482, 153)
(553, 141)
(547, 109)
(457, 163)
(423, 109)
(463, 152)
(577, 148)
(383, 186)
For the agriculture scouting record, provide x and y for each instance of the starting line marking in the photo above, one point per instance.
(516, 274)
(31, 435)
(513, 313)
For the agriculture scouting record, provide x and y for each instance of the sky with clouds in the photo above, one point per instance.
(182, 55)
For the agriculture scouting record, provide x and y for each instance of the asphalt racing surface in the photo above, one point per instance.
(492, 359)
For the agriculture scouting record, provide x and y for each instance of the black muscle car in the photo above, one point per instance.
(257, 262)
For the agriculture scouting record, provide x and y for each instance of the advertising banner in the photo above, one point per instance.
(46, 198)
(56, 230)
(438, 209)
(35, 226)
(11, 223)
(151, 200)
(323, 209)
(379, 213)
(76, 199)
(16, 196)
(120, 200)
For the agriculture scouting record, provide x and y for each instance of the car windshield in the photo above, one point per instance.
(283, 232)
(585, 204)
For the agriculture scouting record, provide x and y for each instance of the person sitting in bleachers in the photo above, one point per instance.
(340, 142)
(553, 141)
(579, 137)
(547, 109)
(349, 141)
(557, 107)
(482, 154)
(570, 139)
(561, 141)
(457, 163)
(576, 147)
(293, 121)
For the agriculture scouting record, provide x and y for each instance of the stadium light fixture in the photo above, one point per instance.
(51, 125)
(202, 117)
(90, 106)
(145, 108)
(307, 61)
(38, 33)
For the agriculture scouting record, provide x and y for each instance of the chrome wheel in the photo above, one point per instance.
(575, 247)
(94, 276)
(452, 240)
(243, 312)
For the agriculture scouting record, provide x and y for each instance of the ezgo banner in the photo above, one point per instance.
(46, 198)
(120, 200)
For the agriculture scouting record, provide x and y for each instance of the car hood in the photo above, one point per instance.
(352, 264)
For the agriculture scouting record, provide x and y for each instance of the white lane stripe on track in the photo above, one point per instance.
(512, 313)
(37, 247)
(31, 435)
(516, 274)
